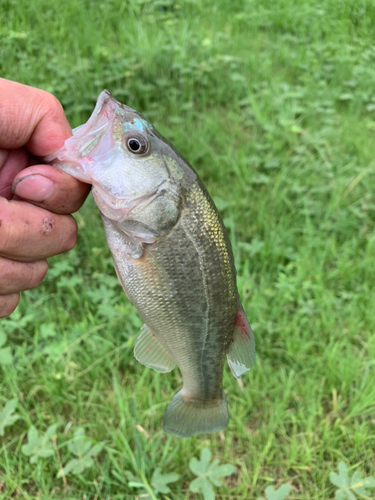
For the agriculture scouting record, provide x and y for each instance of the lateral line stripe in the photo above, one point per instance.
(207, 304)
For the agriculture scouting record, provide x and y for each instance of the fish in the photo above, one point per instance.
(172, 256)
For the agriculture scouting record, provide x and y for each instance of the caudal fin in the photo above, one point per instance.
(184, 418)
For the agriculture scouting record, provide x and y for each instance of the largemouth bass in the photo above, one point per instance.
(172, 256)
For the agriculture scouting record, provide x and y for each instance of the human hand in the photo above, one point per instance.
(35, 199)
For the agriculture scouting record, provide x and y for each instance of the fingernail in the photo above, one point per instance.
(33, 187)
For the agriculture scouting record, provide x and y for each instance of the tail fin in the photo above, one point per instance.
(184, 418)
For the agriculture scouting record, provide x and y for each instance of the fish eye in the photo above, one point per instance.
(136, 144)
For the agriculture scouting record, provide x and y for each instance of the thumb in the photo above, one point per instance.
(51, 189)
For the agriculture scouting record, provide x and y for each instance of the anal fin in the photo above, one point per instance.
(241, 352)
(149, 351)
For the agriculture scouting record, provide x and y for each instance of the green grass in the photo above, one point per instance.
(273, 103)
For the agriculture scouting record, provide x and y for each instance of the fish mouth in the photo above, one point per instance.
(86, 136)
(73, 158)
(104, 110)
(103, 114)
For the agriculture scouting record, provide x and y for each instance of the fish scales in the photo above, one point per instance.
(172, 256)
(190, 308)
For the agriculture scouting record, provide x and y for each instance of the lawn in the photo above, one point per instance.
(273, 103)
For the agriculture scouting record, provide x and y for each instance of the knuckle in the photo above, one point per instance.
(8, 303)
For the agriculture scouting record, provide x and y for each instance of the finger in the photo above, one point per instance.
(8, 303)
(18, 276)
(11, 162)
(31, 117)
(51, 188)
(29, 233)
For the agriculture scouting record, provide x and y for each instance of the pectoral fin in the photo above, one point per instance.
(241, 353)
(150, 352)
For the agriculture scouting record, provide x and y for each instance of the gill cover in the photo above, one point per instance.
(135, 177)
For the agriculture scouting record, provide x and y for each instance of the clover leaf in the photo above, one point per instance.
(39, 446)
(7, 416)
(209, 473)
(84, 451)
(280, 494)
(159, 482)
(348, 486)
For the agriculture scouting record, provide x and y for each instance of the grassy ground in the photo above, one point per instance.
(273, 103)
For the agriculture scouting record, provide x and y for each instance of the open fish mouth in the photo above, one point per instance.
(80, 154)
(100, 118)
(85, 138)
